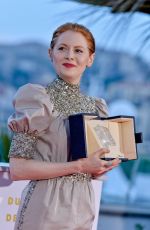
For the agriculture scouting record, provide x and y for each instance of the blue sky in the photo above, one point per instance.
(22, 20)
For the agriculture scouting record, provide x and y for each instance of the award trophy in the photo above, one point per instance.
(89, 133)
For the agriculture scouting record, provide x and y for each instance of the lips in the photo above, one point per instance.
(68, 65)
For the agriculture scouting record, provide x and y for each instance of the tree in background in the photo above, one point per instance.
(124, 10)
(118, 6)
(4, 146)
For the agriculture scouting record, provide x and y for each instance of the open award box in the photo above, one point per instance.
(89, 133)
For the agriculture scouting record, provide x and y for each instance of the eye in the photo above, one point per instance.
(78, 51)
(61, 48)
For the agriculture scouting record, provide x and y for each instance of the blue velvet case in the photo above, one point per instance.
(88, 133)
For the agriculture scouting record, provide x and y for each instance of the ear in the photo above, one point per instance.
(90, 60)
(50, 53)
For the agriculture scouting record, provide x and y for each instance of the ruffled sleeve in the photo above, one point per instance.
(101, 107)
(32, 116)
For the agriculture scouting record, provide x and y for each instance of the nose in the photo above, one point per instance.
(69, 54)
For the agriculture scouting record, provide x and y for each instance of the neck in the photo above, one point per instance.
(65, 85)
(70, 81)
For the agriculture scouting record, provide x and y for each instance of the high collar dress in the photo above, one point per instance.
(41, 132)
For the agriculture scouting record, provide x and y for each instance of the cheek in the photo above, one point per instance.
(83, 62)
(56, 61)
(56, 57)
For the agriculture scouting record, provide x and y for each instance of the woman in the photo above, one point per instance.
(59, 195)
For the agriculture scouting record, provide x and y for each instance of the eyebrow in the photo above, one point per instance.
(77, 46)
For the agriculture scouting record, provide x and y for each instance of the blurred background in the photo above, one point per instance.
(120, 75)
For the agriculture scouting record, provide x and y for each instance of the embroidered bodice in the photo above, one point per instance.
(67, 98)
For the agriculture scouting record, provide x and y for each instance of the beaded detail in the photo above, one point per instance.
(23, 145)
(31, 187)
(67, 98)
(77, 177)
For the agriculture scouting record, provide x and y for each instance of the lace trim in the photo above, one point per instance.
(23, 145)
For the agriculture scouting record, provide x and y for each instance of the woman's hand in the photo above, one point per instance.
(95, 166)
(22, 169)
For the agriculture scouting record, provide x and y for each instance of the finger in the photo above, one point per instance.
(111, 167)
(101, 152)
(109, 163)
(106, 164)
(100, 173)
(100, 176)
(116, 162)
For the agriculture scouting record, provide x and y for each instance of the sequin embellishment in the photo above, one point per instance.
(23, 145)
(68, 100)
(31, 187)
(77, 177)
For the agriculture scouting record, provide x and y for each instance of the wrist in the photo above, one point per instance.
(77, 166)
(81, 165)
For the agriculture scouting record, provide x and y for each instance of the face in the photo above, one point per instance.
(70, 56)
